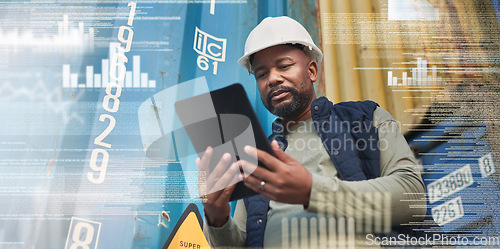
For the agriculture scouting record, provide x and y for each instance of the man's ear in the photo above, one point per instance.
(312, 69)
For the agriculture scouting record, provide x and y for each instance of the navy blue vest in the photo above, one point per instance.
(340, 127)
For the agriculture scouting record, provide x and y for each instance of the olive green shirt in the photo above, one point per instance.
(399, 179)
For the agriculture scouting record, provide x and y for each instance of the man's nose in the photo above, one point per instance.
(275, 77)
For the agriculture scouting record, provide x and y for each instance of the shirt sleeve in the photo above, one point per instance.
(399, 179)
(232, 233)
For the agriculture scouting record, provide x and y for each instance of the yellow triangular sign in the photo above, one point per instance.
(188, 232)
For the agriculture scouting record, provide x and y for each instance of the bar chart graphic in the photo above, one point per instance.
(133, 79)
(421, 76)
(70, 37)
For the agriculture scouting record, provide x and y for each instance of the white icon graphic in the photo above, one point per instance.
(209, 48)
(70, 37)
(133, 79)
(421, 76)
(412, 10)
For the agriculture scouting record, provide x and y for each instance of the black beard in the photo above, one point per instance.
(296, 106)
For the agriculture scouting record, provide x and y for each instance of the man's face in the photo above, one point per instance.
(284, 76)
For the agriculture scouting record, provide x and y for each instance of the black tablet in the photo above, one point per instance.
(233, 126)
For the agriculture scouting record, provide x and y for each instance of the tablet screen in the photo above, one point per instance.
(234, 126)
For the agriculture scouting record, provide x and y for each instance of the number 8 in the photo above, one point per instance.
(116, 101)
(76, 236)
(487, 164)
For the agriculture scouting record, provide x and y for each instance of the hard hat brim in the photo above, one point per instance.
(311, 49)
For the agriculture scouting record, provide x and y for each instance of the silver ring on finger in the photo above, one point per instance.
(262, 183)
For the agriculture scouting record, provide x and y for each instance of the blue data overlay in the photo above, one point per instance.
(460, 178)
(94, 153)
(88, 153)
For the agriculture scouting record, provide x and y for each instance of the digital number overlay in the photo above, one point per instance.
(451, 183)
(448, 211)
(117, 73)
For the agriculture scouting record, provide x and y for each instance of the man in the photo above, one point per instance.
(316, 160)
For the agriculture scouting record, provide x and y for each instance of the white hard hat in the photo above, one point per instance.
(275, 31)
